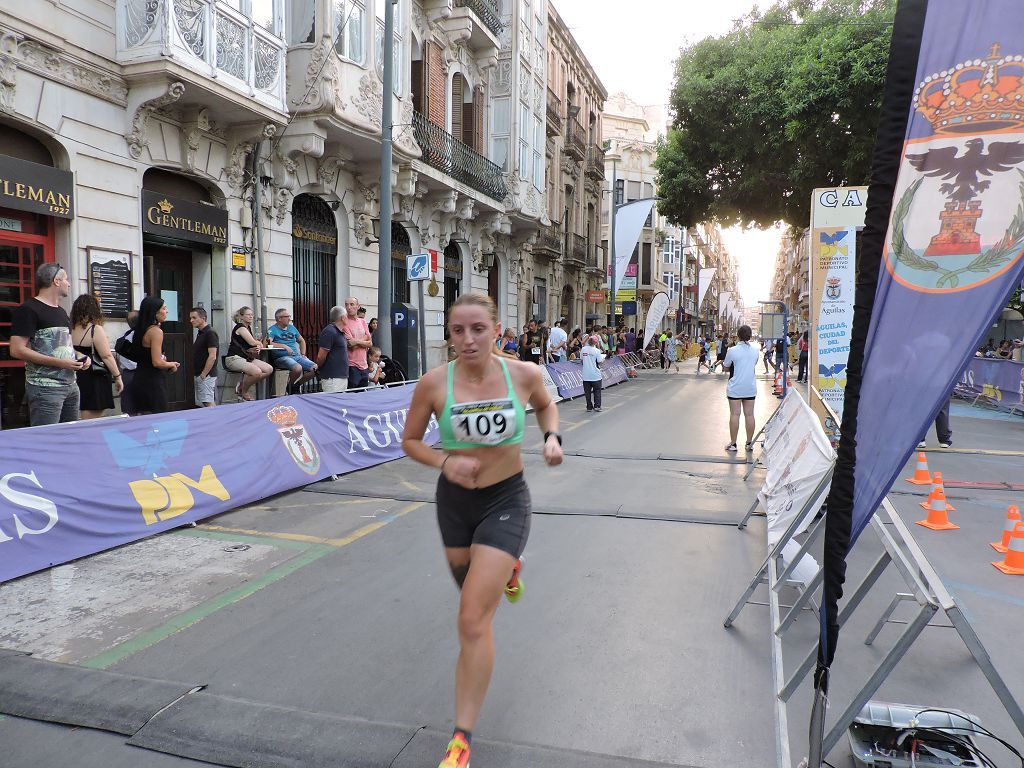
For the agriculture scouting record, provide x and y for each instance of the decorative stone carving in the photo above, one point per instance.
(320, 92)
(8, 70)
(403, 136)
(426, 234)
(237, 158)
(405, 184)
(369, 100)
(136, 137)
(329, 168)
(192, 129)
(56, 65)
(368, 198)
(407, 207)
(464, 208)
(362, 227)
(445, 202)
(503, 78)
(461, 230)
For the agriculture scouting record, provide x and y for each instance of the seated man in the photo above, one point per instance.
(288, 352)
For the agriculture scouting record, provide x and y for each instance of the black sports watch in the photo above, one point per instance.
(556, 434)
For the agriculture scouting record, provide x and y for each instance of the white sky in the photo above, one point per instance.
(632, 47)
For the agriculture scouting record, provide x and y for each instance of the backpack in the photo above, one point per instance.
(123, 345)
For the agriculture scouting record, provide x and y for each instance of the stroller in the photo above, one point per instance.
(393, 372)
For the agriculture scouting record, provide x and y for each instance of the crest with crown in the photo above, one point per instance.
(283, 415)
(165, 206)
(974, 96)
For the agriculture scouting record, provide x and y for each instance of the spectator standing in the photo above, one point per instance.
(332, 353)
(41, 336)
(149, 386)
(630, 341)
(89, 338)
(375, 368)
(241, 358)
(530, 344)
(357, 332)
(125, 365)
(558, 343)
(575, 344)
(592, 357)
(205, 349)
(780, 354)
(801, 372)
(672, 352)
(942, 429)
(662, 339)
(741, 360)
(290, 351)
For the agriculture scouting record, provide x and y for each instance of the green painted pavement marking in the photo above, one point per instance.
(201, 611)
(202, 533)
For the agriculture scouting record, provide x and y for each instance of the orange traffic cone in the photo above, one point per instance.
(1014, 560)
(938, 520)
(1012, 518)
(921, 474)
(936, 485)
(777, 385)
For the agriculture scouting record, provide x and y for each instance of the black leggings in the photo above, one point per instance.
(497, 516)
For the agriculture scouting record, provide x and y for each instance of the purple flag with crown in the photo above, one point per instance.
(941, 251)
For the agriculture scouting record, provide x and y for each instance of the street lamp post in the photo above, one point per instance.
(614, 157)
(384, 243)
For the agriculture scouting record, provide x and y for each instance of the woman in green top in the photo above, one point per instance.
(483, 504)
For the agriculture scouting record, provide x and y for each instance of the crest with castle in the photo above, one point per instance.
(973, 97)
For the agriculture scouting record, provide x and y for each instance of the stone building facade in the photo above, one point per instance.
(184, 135)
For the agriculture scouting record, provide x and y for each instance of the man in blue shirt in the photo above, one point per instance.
(289, 351)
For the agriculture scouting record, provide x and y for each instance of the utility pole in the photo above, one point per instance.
(384, 242)
(614, 157)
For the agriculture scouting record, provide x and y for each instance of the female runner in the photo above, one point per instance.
(483, 504)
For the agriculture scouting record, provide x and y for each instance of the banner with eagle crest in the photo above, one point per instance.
(941, 251)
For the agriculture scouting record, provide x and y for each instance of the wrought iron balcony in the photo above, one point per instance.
(549, 242)
(575, 139)
(595, 162)
(576, 252)
(443, 151)
(209, 38)
(554, 114)
(486, 11)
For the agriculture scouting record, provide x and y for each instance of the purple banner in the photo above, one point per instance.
(75, 489)
(998, 382)
(568, 377)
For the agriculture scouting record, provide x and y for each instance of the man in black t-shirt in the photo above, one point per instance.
(205, 349)
(332, 353)
(531, 343)
(41, 336)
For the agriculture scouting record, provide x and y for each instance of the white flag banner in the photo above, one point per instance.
(703, 283)
(629, 222)
(724, 302)
(659, 305)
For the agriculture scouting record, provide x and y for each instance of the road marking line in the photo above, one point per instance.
(185, 620)
(306, 504)
(576, 425)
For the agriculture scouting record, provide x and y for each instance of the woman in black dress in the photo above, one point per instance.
(149, 386)
(89, 338)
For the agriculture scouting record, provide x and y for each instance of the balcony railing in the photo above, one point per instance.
(554, 113)
(595, 162)
(210, 38)
(487, 11)
(576, 252)
(575, 138)
(443, 151)
(549, 242)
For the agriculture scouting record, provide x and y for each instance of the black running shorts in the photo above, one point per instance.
(497, 516)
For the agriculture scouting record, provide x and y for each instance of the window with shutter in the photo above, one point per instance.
(457, 105)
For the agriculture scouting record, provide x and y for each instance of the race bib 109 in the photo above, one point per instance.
(487, 422)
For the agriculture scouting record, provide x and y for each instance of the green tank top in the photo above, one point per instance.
(482, 423)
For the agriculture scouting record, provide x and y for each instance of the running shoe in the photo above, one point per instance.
(749, 447)
(731, 447)
(514, 588)
(922, 444)
(457, 755)
(946, 445)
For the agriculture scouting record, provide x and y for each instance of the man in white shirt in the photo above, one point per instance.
(558, 342)
(741, 362)
(592, 357)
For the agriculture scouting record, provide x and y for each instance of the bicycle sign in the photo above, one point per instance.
(417, 266)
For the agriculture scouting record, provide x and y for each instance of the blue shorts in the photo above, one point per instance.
(287, 362)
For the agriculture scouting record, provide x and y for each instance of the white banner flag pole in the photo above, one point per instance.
(703, 283)
(629, 222)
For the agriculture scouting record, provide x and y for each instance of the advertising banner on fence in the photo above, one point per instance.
(76, 489)
(568, 377)
(833, 275)
(797, 455)
(996, 382)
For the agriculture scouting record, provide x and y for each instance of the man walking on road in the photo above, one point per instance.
(205, 349)
(41, 336)
(332, 353)
(592, 357)
(357, 332)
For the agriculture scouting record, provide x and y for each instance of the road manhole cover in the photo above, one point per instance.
(236, 548)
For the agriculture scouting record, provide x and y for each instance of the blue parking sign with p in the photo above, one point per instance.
(417, 266)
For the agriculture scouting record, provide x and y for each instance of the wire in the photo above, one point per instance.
(978, 728)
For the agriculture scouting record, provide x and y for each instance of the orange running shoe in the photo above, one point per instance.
(457, 755)
(514, 588)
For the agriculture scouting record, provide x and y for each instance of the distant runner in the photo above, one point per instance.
(483, 503)
(741, 362)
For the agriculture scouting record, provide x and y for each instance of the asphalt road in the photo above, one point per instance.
(322, 622)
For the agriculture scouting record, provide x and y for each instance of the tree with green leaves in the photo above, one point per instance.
(787, 101)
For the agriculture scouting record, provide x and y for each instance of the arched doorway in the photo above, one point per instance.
(452, 278)
(494, 282)
(567, 304)
(400, 248)
(314, 270)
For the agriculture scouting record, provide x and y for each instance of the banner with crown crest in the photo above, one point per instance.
(149, 474)
(941, 251)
